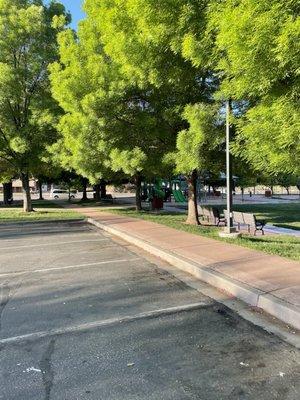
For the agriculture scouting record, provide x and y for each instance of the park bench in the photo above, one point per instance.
(108, 199)
(211, 214)
(238, 218)
(251, 221)
(248, 219)
(204, 212)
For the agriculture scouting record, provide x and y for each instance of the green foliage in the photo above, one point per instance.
(287, 180)
(259, 44)
(123, 107)
(268, 136)
(283, 179)
(27, 110)
(78, 83)
(258, 52)
(129, 161)
(138, 81)
(246, 176)
(147, 39)
(6, 171)
(135, 80)
(197, 146)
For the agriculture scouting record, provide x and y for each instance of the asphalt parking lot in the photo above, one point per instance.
(82, 316)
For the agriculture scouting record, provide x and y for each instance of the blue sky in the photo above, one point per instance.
(74, 6)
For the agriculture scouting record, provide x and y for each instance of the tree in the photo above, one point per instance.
(148, 42)
(268, 136)
(112, 124)
(198, 149)
(69, 180)
(246, 176)
(286, 181)
(268, 180)
(6, 175)
(79, 82)
(7, 193)
(46, 171)
(257, 54)
(28, 45)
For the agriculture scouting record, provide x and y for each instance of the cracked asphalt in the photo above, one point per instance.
(82, 316)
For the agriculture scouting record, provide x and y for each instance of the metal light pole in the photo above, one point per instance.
(229, 229)
(228, 167)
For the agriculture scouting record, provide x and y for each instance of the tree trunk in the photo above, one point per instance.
(138, 198)
(7, 193)
(69, 194)
(193, 216)
(287, 190)
(102, 189)
(97, 192)
(84, 189)
(27, 204)
(40, 190)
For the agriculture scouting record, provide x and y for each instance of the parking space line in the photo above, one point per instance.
(105, 323)
(38, 271)
(52, 244)
(19, 235)
(73, 235)
(40, 228)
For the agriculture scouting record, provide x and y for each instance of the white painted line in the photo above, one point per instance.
(24, 240)
(30, 228)
(39, 271)
(51, 244)
(104, 323)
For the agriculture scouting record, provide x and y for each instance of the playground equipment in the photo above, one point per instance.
(160, 191)
(178, 196)
(154, 193)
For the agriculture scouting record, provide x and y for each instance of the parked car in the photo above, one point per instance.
(62, 194)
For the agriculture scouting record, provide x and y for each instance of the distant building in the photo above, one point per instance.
(17, 186)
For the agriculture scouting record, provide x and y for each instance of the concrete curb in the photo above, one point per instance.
(280, 309)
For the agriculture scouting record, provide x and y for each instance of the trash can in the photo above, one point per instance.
(157, 203)
(268, 193)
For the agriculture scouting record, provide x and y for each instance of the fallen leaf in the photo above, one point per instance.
(244, 364)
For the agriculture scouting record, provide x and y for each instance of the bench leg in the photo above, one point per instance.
(262, 230)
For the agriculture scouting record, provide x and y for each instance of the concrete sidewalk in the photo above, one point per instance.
(269, 282)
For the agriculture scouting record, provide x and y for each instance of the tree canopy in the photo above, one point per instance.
(258, 53)
(129, 100)
(28, 45)
(139, 90)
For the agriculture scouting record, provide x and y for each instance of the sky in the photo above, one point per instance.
(74, 6)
